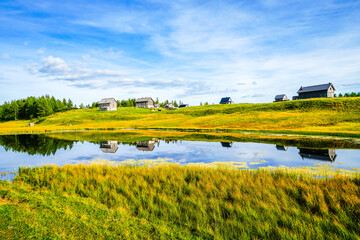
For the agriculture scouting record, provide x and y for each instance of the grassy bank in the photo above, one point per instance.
(339, 117)
(103, 202)
(132, 136)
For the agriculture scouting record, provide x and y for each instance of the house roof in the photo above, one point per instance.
(225, 99)
(184, 105)
(144, 99)
(280, 96)
(315, 88)
(107, 100)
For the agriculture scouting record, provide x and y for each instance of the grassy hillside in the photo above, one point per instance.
(172, 202)
(338, 116)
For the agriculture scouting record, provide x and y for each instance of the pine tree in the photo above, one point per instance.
(70, 104)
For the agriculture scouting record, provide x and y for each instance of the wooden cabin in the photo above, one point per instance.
(281, 98)
(108, 104)
(226, 100)
(145, 102)
(109, 146)
(317, 91)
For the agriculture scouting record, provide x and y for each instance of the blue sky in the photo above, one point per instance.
(196, 51)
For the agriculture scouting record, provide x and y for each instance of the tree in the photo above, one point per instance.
(81, 106)
(340, 95)
(70, 104)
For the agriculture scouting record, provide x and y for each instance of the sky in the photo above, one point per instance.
(194, 51)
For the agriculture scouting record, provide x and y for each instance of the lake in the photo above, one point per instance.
(38, 150)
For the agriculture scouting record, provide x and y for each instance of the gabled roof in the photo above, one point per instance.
(280, 96)
(144, 99)
(225, 99)
(107, 100)
(184, 105)
(316, 88)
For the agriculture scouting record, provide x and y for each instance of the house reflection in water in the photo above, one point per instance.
(109, 146)
(318, 154)
(226, 144)
(281, 148)
(146, 145)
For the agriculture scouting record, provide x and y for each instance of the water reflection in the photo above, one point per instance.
(281, 148)
(34, 144)
(318, 154)
(39, 150)
(109, 146)
(226, 144)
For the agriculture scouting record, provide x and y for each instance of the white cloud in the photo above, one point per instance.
(53, 65)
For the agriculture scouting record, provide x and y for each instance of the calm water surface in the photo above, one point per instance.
(38, 151)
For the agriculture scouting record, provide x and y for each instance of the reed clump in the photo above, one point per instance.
(169, 201)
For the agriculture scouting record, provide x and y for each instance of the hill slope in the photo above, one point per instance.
(339, 116)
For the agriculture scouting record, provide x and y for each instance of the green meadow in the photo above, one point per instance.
(174, 202)
(333, 117)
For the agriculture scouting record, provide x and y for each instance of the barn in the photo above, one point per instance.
(317, 91)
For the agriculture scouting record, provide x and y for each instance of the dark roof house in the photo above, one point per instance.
(183, 105)
(226, 100)
(281, 97)
(317, 91)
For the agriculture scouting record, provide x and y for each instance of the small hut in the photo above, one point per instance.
(226, 100)
(145, 102)
(281, 98)
(108, 104)
(184, 105)
(170, 106)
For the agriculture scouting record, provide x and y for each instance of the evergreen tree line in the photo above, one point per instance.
(33, 107)
(353, 94)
